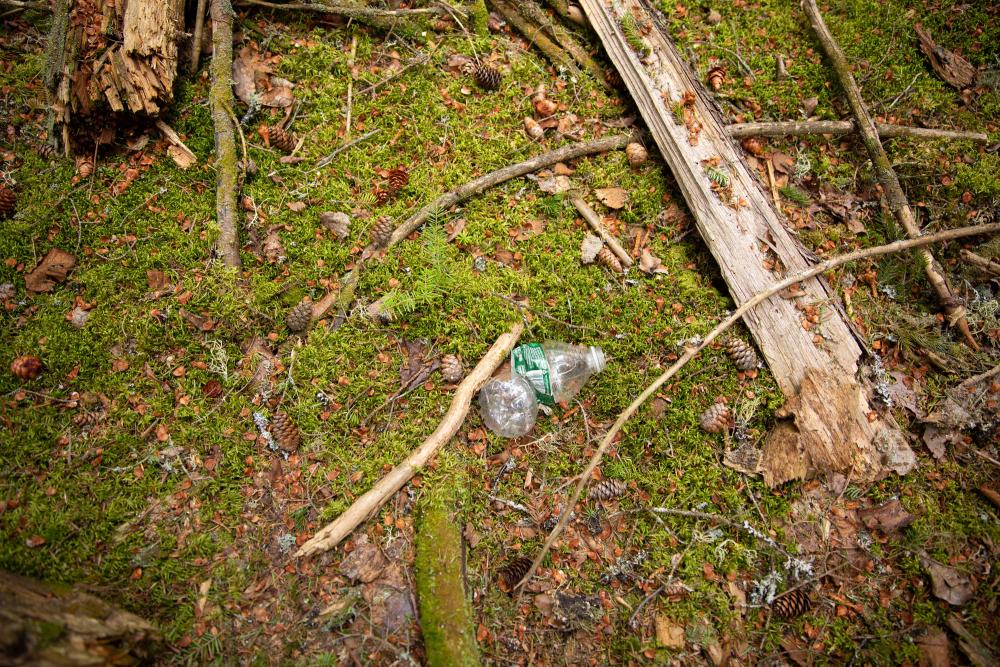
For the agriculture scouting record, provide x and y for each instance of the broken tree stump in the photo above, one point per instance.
(46, 624)
(111, 56)
(804, 338)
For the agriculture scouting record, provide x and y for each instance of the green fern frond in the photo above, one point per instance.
(630, 28)
(717, 176)
(795, 195)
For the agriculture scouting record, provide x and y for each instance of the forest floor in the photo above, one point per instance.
(133, 466)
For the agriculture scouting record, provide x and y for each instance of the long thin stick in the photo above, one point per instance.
(952, 307)
(351, 11)
(350, 87)
(885, 131)
(221, 98)
(199, 28)
(595, 223)
(366, 505)
(691, 352)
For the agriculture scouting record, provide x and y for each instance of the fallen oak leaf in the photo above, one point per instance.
(947, 583)
(612, 197)
(650, 263)
(888, 517)
(52, 269)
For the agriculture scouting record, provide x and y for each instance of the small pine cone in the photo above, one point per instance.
(299, 317)
(715, 419)
(636, 154)
(285, 433)
(398, 178)
(716, 77)
(84, 167)
(791, 605)
(8, 202)
(87, 420)
(753, 145)
(451, 369)
(279, 138)
(487, 77)
(742, 354)
(608, 489)
(26, 367)
(675, 589)
(608, 259)
(46, 151)
(382, 231)
(337, 222)
(511, 573)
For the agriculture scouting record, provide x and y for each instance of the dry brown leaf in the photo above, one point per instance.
(650, 263)
(272, 248)
(934, 649)
(888, 518)
(156, 279)
(249, 69)
(365, 563)
(52, 269)
(589, 248)
(947, 583)
(296, 206)
(612, 197)
(782, 162)
(553, 184)
(668, 633)
(279, 95)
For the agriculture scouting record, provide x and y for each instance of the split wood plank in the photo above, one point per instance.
(744, 232)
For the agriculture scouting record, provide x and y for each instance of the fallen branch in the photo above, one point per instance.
(370, 502)
(534, 14)
(20, 4)
(353, 11)
(493, 178)
(984, 263)
(693, 351)
(535, 35)
(952, 307)
(595, 223)
(885, 131)
(226, 161)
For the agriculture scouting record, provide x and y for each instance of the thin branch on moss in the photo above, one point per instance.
(692, 352)
(953, 309)
(221, 98)
(353, 11)
(796, 128)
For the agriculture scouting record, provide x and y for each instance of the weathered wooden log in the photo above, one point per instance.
(112, 56)
(45, 624)
(803, 337)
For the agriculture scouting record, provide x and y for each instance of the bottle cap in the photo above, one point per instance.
(597, 359)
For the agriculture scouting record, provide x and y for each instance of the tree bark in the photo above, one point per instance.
(954, 311)
(44, 624)
(221, 98)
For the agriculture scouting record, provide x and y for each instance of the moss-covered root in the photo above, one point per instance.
(445, 613)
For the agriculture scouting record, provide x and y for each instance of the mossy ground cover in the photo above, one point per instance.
(167, 501)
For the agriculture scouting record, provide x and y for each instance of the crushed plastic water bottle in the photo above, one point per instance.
(556, 370)
(508, 406)
(549, 373)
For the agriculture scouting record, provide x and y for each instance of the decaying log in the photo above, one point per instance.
(221, 98)
(692, 351)
(797, 128)
(374, 498)
(112, 56)
(743, 230)
(952, 306)
(44, 624)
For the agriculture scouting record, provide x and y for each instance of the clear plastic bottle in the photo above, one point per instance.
(508, 406)
(557, 370)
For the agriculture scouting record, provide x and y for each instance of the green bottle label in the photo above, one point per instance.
(528, 361)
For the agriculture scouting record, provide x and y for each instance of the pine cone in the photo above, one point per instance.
(382, 195)
(716, 77)
(608, 489)
(279, 138)
(742, 354)
(8, 202)
(382, 231)
(636, 154)
(451, 369)
(299, 317)
(26, 367)
(511, 573)
(608, 259)
(337, 222)
(46, 151)
(791, 605)
(487, 77)
(84, 167)
(398, 178)
(675, 589)
(753, 145)
(285, 433)
(716, 418)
